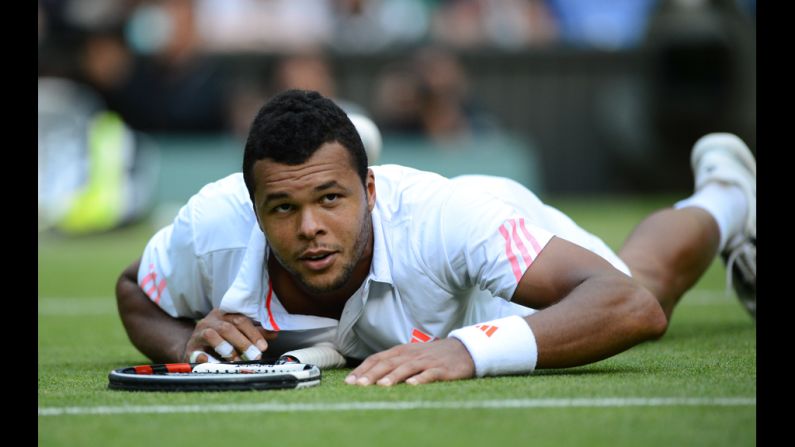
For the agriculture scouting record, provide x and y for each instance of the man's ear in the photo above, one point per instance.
(370, 189)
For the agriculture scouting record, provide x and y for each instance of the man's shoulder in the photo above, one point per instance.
(394, 172)
(402, 189)
(406, 191)
(231, 186)
(220, 215)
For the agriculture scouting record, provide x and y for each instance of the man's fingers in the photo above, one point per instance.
(241, 343)
(219, 344)
(225, 349)
(201, 357)
(266, 334)
(363, 368)
(246, 326)
(415, 364)
(198, 357)
(401, 373)
(232, 336)
(376, 367)
(427, 376)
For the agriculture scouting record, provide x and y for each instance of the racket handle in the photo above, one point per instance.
(162, 368)
(322, 355)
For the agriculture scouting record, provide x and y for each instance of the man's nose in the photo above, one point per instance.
(310, 225)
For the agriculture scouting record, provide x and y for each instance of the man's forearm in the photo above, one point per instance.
(156, 334)
(600, 318)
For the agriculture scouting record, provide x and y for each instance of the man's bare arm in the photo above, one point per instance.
(589, 311)
(602, 313)
(156, 334)
(164, 338)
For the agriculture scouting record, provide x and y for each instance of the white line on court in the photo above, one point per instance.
(280, 407)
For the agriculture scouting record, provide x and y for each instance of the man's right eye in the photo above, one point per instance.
(283, 208)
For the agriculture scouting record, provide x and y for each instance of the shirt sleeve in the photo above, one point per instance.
(171, 274)
(485, 242)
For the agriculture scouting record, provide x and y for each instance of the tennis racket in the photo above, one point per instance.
(295, 369)
(220, 377)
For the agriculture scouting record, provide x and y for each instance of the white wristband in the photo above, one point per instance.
(503, 346)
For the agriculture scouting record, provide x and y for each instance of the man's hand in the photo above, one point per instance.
(415, 363)
(231, 336)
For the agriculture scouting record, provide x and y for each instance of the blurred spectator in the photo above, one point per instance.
(310, 70)
(367, 26)
(457, 23)
(246, 94)
(701, 70)
(106, 62)
(605, 24)
(430, 97)
(307, 70)
(172, 87)
(263, 26)
(141, 57)
(398, 100)
(493, 23)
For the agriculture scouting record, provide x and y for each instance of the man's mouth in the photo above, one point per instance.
(317, 260)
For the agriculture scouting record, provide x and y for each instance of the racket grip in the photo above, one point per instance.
(322, 355)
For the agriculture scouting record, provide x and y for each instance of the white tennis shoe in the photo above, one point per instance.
(725, 158)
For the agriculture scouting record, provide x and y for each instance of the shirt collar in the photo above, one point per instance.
(380, 266)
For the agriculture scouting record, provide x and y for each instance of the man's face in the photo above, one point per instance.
(316, 216)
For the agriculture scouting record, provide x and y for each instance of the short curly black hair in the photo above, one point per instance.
(293, 125)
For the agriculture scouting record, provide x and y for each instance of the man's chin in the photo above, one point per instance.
(321, 286)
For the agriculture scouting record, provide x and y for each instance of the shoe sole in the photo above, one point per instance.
(730, 143)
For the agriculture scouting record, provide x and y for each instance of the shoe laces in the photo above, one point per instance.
(745, 252)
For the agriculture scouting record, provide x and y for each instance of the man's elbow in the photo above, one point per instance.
(127, 289)
(645, 314)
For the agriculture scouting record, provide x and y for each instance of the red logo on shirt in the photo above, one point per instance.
(487, 329)
(417, 336)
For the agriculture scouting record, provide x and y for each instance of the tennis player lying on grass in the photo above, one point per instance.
(425, 278)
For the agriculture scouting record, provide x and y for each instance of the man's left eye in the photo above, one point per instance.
(330, 197)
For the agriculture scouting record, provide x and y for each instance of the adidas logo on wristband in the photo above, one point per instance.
(499, 347)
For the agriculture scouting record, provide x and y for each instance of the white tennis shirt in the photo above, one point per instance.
(447, 253)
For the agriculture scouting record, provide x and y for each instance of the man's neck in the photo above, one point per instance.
(297, 299)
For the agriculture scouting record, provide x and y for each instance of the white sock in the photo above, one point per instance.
(726, 203)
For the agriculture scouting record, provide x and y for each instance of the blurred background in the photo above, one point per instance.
(141, 102)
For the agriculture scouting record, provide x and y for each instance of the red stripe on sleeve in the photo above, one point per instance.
(149, 277)
(533, 241)
(160, 287)
(509, 252)
(525, 255)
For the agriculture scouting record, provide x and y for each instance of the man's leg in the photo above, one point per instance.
(670, 250)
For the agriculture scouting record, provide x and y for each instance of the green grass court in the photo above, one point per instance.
(694, 387)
